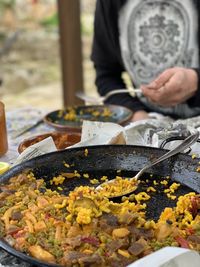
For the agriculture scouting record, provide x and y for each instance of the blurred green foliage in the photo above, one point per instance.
(7, 4)
(51, 21)
(86, 23)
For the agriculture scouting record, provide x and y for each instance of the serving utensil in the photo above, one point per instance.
(27, 129)
(190, 140)
(100, 99)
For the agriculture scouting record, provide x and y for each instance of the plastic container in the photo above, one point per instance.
(3, 132)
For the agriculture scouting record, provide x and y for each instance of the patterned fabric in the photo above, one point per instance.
(156, 35)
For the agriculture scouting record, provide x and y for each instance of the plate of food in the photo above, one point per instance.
(71, 118)
(61, 139)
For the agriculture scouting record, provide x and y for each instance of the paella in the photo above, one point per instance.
(86, 228)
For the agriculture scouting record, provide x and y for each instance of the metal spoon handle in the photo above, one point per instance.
(88, 98)
(180, 148)
(119, 91)
(99, 99)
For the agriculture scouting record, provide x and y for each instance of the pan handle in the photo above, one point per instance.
(175, 138)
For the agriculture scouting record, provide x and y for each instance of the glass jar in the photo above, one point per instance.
(3, 132)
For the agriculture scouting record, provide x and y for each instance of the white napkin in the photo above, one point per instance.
(169, 257)
(45, 146)
(100, 133)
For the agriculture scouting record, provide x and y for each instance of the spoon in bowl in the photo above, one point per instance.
(180, 148)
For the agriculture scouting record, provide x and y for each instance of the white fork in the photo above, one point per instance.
(100, 99)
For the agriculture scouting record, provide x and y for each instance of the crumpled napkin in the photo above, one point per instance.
(100, 133)
(43, 147)
(150, 132)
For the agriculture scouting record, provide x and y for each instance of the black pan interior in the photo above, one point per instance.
(107, 160)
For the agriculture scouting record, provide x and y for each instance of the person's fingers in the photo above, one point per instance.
(152, 94)
(162, 96)
(166, 93)
(153, 97)
(163, 99)
(175, 82)
(159, 81)
(176, 89)
(151, 85)
(147, 87)
(163, 78)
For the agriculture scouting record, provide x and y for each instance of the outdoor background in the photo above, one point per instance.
(29, 53)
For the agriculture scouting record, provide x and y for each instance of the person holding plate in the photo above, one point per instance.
(157, 43)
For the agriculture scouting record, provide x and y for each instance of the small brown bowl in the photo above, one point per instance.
(61, 140)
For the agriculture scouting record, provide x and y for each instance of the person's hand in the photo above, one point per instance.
(140, 115)
(172, 87)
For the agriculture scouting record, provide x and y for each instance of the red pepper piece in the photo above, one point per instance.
(182, 242)
(194, 208)
(190, 231)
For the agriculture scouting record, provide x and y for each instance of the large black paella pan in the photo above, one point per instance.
(108, 160)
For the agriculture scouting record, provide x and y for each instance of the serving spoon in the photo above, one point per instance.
(190, 140)
(100, 99)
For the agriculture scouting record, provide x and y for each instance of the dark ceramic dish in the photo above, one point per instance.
(59, 120)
